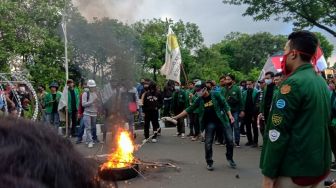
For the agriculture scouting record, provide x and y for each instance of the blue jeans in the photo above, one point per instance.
(210, 129)
(130, 120)
(91, 120)
(236, 127)
(53, 119)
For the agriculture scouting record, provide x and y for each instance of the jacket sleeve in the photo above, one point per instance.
(262, 101)
(282, 114)
(222, 102)
(193, 106)
(240, 98)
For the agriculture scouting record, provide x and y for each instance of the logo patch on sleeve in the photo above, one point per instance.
(276, 119)
(273, 135)
(281, 104)
(285, 89)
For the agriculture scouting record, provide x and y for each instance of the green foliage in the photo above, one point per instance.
(303, 14)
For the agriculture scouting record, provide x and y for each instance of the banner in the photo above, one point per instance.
(172, 66)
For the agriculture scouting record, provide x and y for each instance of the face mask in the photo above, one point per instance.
(284, 61)
(86, 89)
(177, 87)
(268, 81)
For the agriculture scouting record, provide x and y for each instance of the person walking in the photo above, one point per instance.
(213, 112)
(233, 96)
(296, 151)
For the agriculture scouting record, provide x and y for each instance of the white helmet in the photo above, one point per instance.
(91, 83)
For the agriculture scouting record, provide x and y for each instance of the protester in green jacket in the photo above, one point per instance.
(332, 127)
(180, 101)
(297, 150)
(233, 96)
(213, 112)
(51, 105)
(73, 104)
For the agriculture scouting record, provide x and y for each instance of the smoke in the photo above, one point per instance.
(123, 10)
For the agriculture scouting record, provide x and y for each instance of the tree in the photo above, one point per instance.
(303, 13)
(244, 52)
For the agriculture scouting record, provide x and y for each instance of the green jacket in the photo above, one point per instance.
(180, 101)
(220, 105)
(233, 96)
(255, 99)
(333, 108)
(48, 101)
(69, 100)
(297, 143)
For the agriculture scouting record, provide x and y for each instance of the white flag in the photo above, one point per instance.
(63, 103)
(172, 66)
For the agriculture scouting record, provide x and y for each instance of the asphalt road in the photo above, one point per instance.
(189, 156)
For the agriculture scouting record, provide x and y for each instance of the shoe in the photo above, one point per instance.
(178, 134)
(217, 143)
(249, 144)
(96, 141)
(182, 135)
(90, 145)
(222, 144)
(78, 141)
(158, 134)
(237, 145)
(154, 140)
(190, 135)
(210, 167)
(232, 164)
(243, 135)
(194, 138)
(333, 168)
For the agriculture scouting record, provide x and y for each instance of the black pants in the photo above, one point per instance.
(242, 125)
(251, 123)
(219, 137)
(151, 116)
(180, 126)
(72, 122)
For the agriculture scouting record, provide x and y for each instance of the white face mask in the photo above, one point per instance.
(268, 81)
(177, 87)
(22, 89)
(86, 89)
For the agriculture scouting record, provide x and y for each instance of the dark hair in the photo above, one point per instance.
(222, 77)
(231, 76)
(270, 73)
(304, 41)
(35, 155)
(279, 74)
(244, 81)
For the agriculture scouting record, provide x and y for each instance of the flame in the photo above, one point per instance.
(123, 155)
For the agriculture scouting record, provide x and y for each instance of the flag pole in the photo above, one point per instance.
(184, 73)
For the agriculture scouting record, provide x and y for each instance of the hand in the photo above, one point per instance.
(242, 114)
(232, 120)
(268, 182)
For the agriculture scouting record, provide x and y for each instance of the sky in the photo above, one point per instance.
(214, 18)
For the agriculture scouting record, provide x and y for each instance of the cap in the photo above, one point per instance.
(53, 84)
(69, 81)
(91, 83)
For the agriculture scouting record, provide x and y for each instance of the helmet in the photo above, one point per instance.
(91, 83)
(53, 84)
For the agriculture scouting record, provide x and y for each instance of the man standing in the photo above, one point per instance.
(41, 94)
(250, 101)
(213, 112)
(296, 150)
(90, 102)
(266, 102)
(179, 103)
(51, 104)
(233, 96)
(73, 104)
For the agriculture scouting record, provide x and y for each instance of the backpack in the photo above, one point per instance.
(87, 99)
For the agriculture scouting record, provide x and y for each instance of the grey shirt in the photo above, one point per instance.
(90, 106)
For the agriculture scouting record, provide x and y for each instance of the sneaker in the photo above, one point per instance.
(154, 140)
(237, 145)
(182, 135)
(96, 141)
(78, 141)
(222, 144)
(90, 145)
(217, 143)
(333, 168)
(210, 167)
(158, 134)
(194, 138)
(243, 135)
(190, 135)
(178, 134)
(232, 164)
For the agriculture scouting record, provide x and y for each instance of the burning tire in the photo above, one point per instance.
(117, 174)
